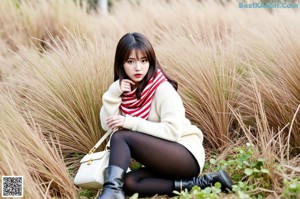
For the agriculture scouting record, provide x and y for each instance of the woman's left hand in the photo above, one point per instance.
(116, 121)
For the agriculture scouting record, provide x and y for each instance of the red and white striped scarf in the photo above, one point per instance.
(141, 107)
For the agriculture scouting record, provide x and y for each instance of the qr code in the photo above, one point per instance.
(12, 186)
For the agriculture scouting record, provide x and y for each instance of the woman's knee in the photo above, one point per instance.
(129, 184)
(118, 135)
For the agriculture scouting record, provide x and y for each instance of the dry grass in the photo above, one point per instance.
(272, 145)
(26, 152)
(274, 71)
(208, 81)
(25, 20)
(238, 73)
(62, 87)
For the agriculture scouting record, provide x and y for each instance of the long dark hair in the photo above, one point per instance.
(137, 41)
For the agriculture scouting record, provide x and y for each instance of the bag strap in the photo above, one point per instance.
(100, 141)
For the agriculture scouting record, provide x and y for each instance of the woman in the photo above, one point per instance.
(143, 104)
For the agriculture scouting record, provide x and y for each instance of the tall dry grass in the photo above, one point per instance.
(26, 152)
(274, 63)
(208, 82)
(62, 88)
(23, 22)
(270, 144)
(237, 70)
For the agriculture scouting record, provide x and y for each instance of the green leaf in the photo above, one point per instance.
(293, 186)
(134, 196)
(256, 170)
(248, 172)
(176, 192)
(213, 161)
(218, 185)
(207, 190)
(260, 196)
(218, 190)
(246, 163)
(264, 171)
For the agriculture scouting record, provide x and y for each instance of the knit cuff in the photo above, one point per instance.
(116, 89)
(129, 122)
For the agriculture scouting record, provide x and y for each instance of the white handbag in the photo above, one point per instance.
(92, 165)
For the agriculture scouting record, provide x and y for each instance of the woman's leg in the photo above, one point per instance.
(147, 183)
(164, 162)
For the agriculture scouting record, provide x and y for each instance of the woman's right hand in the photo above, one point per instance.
(116, 121)
(125, 85)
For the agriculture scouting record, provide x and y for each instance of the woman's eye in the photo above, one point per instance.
(129, 61)
(144, 60)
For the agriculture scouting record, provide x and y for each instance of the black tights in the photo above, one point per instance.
(164, 162)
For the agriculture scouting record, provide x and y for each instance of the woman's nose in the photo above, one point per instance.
(138, 66)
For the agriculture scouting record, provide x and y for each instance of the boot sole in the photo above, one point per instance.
(227, 181)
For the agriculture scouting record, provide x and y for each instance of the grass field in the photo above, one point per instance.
(238, 72)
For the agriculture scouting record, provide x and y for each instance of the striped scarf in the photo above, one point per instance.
(141, 107)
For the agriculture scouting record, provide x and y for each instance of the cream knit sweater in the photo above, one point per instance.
(166, 119)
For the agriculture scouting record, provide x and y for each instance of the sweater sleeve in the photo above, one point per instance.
(171, 111)
(111, 101)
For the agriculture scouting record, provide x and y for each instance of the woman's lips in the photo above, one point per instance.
(138, 75)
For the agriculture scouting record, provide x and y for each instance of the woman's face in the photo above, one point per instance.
(136, 66)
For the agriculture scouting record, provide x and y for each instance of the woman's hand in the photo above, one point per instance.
(125, 85)
(116, 121)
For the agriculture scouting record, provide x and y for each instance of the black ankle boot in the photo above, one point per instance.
(206, 180)
(113, 183)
